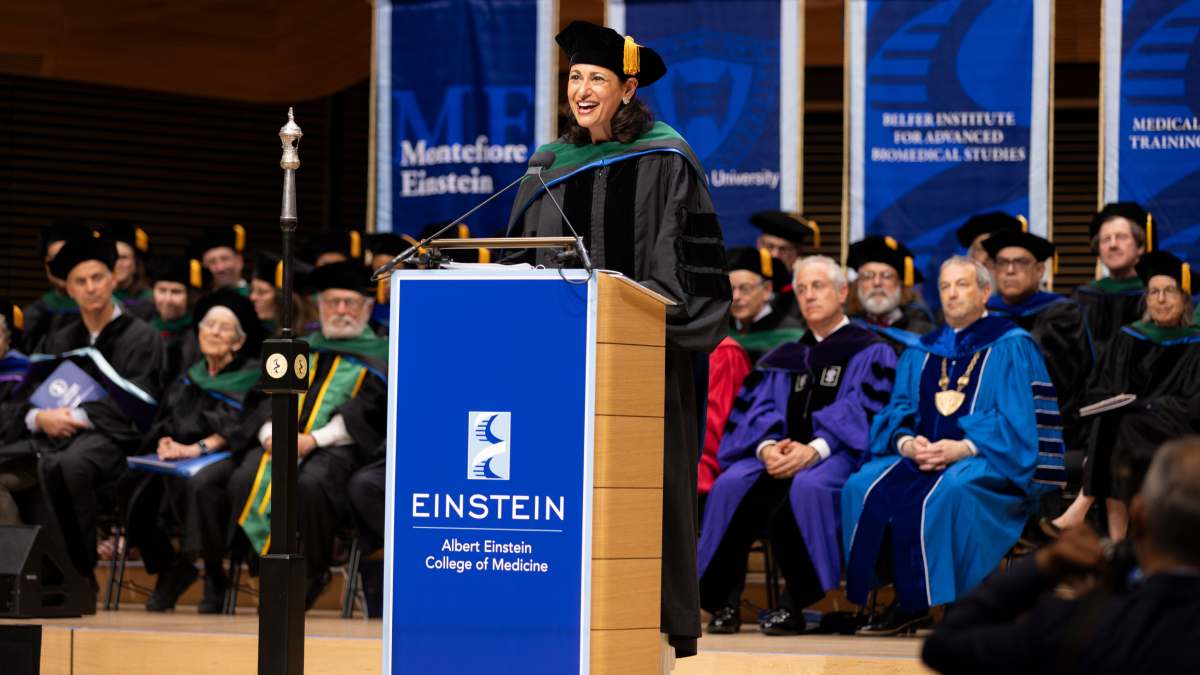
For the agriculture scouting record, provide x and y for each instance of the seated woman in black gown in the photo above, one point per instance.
(197, 413)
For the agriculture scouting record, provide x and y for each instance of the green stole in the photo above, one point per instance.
(1161, 335)
(1113, 287)
(171, 326)
(58, 302)
(121, 295)
(767, 339)
(340, 384)
(236, 382)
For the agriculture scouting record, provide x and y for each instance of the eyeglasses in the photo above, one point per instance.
(1166, 292)
(747, 289)
(1018, 264)
(352, 304)
(222, 328)
(872, 276)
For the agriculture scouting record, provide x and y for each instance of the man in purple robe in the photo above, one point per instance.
(798, 429)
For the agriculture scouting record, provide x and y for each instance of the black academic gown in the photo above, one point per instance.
(650, 217)
(1163, 375)
(1106, 312)
(40, 321)
(1060, 328)
(200, 504)
(183, 349)
(912, 324)
(74, 470)
(784, 302)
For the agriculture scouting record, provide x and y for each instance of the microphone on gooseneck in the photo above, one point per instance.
(545, 159)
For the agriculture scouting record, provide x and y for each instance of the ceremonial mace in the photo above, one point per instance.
(284, 375)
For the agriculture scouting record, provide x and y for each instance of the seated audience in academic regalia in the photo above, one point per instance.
(1056, 323)
(381, 248)
(221, 251)
(1156, 359)
(753, 322)
(959, 458)
(882, 297)
(12, 368)
(798, 430)
(55, 307)
(1116, 623)
(977, 229)
(133, 282)
(324, 248)
(1121, 234)
(178, 283)
(82, 449)
(783, 234)
(199, 411)
(343, 423)
(266, 292)
(728, 366)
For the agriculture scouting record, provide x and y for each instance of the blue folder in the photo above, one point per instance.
(67, 387)
(184, 468)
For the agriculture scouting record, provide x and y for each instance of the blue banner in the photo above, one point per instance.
(949, 103)
(1152, 115)
(457, 117)
(722, 94)
(489, 474)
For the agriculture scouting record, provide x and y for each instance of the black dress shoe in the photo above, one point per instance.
(783, 622)
(170, 585)
(213, 601)
(893, 621)
(314, 588)
(726, 620)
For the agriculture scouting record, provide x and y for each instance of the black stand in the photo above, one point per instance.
(282, 571)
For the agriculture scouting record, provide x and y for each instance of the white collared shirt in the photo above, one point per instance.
(765, 311)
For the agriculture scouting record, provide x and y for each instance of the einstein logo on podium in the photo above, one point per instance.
(487, 446)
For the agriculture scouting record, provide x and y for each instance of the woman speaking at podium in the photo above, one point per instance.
(636, 193)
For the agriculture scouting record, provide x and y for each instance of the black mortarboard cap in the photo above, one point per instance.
(887, 251)
(349, 276)
(181, 270)
(76, 251)
(125, 231)
(61, 229)
(755, 260)
(243, 309)
(346, 242)
(987, 223)
(386, 243)
(1039, 247)
(14, 319)
(216, 237)
(1131, 212)
(585, 42)
(786, 225)
(1158, 263)
(268, 267)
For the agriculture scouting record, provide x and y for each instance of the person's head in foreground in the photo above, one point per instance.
(821, 289)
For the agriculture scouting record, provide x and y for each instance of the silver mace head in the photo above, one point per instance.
(290, 135)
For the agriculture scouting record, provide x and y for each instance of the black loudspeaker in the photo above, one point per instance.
(36, 578)
(20, 650)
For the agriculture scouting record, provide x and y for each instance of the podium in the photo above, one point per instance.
(524, 473)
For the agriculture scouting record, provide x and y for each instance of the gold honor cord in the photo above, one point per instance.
(949, 401)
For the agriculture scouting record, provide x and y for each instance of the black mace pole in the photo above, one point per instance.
(285, 374)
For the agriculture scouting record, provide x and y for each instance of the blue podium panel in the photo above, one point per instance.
(488, 552)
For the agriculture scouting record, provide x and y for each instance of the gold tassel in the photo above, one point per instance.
(355, 244)
(279, 275)
(1187, 280)
(485, 256)
(95, 234)
(464, 232)
(197, 278)
(1149, 233)
(409, 239)
(140, 240)
(632, 64)
(765, 260)
(1024, 223)
(239, 238)
(379, 290)
(18, 318)
(810, 224)
(1099, 270)
(1055, 269)
(908, 270)
(891, 243)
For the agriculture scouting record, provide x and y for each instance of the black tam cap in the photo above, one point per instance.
(786, 225)
(125, 231)
(1131, 212)
(243, 309)
(186, 271)
(61, 229)
(386, 243)
(268, 267)
(1161, 263)
(216, 237)
(755, 260)
(887, 251)
(1039, 247)
(988, 223)
(344, 275)
(467, 255)
(77, 251)
(13, 319)
(346, 242)
(588, 43)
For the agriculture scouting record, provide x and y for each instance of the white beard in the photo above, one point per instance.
(339, 330)
(879, 303)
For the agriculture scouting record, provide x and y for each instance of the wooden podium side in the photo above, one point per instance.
(627, 484)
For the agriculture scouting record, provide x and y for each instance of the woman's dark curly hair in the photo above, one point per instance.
(629, 123)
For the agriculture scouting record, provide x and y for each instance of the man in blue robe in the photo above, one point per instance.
(797, 431)
(969, 442)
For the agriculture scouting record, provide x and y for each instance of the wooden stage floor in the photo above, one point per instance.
(134, 642)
